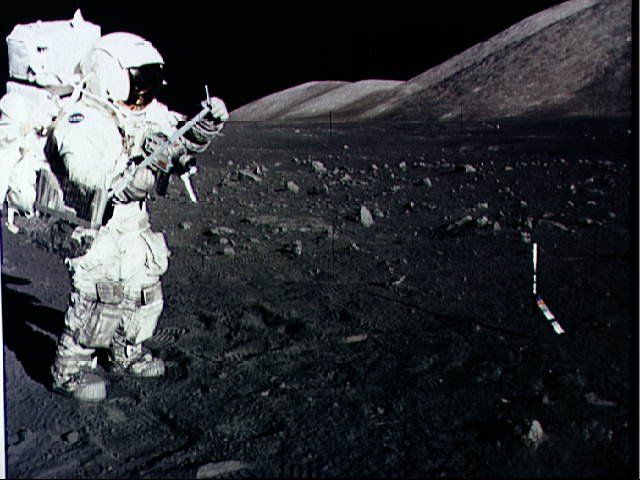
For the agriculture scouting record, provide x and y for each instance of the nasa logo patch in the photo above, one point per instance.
(76, 118)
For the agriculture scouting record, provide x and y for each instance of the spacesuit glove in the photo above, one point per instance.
(217, 110)
(138, 187)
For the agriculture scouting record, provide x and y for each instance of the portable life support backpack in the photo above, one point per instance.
(44, 59)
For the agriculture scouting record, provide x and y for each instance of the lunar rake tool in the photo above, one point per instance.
(539, 301)
(155, 159)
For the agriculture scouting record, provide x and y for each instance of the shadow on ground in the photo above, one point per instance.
(30, 329)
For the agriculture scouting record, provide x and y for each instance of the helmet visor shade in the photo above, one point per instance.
(144, 83)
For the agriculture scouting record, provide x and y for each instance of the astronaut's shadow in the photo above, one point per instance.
(30, 330)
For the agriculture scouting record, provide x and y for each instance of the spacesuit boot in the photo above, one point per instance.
(74, 372)
(127, 358)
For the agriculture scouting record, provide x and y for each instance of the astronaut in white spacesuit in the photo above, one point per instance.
(116, 294)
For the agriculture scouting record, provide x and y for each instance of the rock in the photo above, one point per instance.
(229, 251)
(482, 221)
(586, 221)
(508, 168)
(297, 248)
(402, 165)
(427, 182)
(71, 437)
(611, 215)
(292, 187)
(185, 225)
(555, 224)
(319, 190)
(525, 237)
(593, 399)
(221, 469)
(466, 168)
(318, 167)
(496, 227)
(535, 436)
(482, 206)
(250, 175)
(464, 220)
(366, 219)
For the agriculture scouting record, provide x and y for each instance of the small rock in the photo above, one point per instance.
(427, 181)
(185, 225)
(508, 168)
(482, 221)
(297, 248)
(482, 206)
(525, 237)
(229, 251)
(378, 213)
(464, 220)
(292, 187)
(71, 437)
(593, 399)
(535, 436)
(402, 165)
(366, 219)
(318, 167)
(221, 469)
(250, 175)
(611, 215)
(586, 221)
(496, 227)
(466, 168)
(214, 191)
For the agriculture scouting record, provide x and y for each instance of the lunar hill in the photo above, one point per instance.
(573, 59)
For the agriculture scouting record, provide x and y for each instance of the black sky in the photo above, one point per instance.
(244, 51)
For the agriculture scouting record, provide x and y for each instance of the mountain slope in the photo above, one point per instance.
(569, 60)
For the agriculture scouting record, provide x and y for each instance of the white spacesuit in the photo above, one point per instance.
(23, 126)
(116, 294)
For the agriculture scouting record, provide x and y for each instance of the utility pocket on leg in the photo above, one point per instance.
(103, 317)
(141, 325)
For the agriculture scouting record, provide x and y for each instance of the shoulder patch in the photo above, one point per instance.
(76, 117)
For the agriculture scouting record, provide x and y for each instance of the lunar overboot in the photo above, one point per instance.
(131, 359)
(74, 372)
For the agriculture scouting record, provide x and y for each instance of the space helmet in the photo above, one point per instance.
(123, 67)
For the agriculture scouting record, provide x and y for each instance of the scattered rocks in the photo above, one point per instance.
(366, 219)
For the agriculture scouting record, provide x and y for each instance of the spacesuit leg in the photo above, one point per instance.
(127, 355)
(74, 366)
(143, 305)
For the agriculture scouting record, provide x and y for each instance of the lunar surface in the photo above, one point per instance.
(356, 299)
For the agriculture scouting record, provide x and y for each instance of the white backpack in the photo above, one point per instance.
(48, 54)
